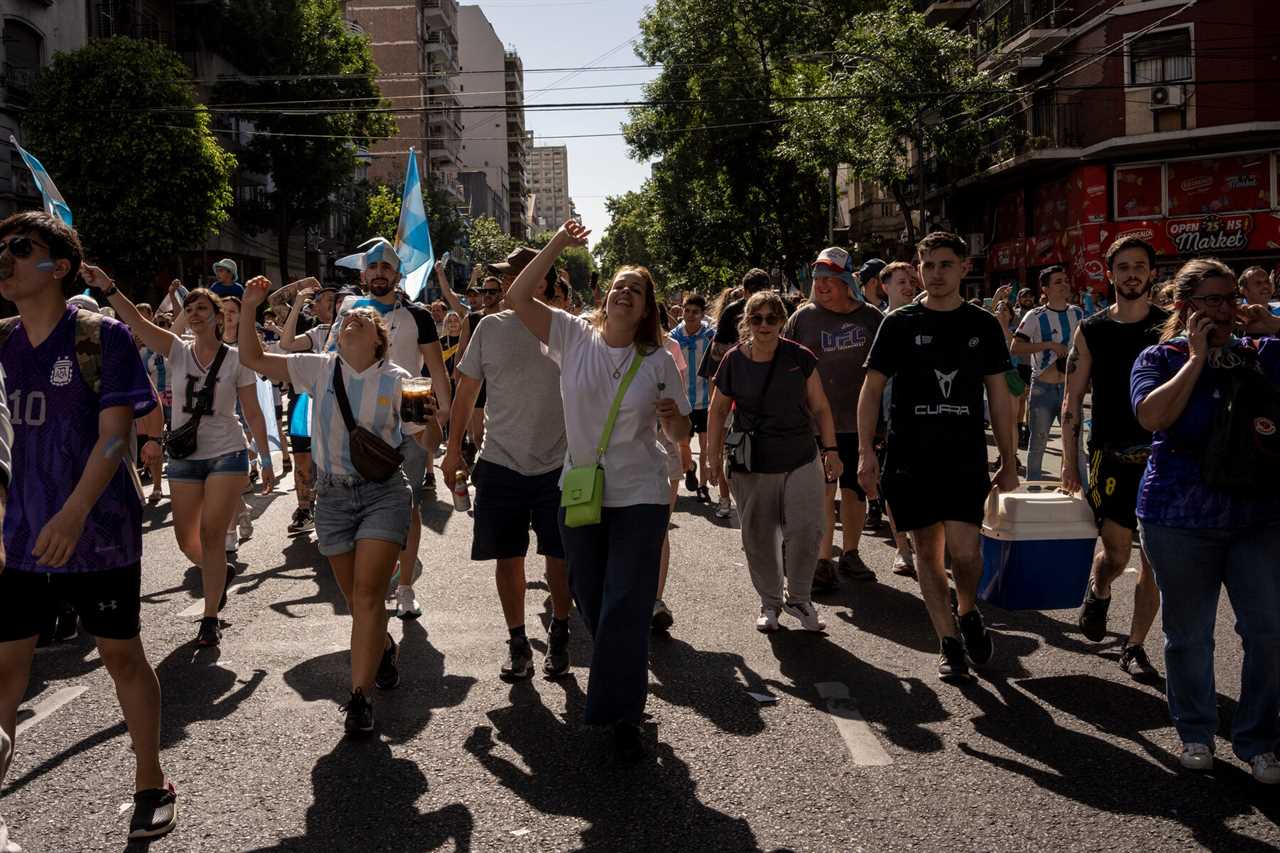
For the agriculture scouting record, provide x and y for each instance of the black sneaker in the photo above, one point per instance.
(1093, 615)
(388, 677)
(1134, 660)
(628, 742)
(691, 480)
(210, 633)
(556, 662)
(875, 516)
(662, 618)
(303, 520)
(851, 564)
(155, 813)
(704, 495)
(952, 665)
(359, 711)
(977, 639)
(520, 663)
(824, 578)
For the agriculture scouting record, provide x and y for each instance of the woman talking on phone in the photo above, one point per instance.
(618, 384)
(362, 494)
(1209, 510)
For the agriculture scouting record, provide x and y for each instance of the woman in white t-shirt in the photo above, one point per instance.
(614, 564)
(205, 487)
(361, 525)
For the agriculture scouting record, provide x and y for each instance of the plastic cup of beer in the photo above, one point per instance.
(416, 403)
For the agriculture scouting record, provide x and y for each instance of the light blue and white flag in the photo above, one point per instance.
(413, 238)
(54, 203)
(266, 402)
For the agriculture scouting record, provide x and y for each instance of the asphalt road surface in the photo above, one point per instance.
(859, 748)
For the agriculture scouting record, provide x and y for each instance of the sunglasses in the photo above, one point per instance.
(770, 319)
(1217, 300)
(19, 247)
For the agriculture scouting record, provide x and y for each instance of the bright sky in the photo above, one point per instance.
(573, 34)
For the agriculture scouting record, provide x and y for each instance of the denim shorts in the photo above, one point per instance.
(349, 509)
(199, 470)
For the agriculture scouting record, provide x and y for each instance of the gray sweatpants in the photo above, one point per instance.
(782, 517)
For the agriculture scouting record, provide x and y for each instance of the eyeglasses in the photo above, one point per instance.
(19, 247)
(770, 319)
(1217, 300)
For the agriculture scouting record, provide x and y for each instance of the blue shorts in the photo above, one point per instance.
(349, 509)
(199, 470)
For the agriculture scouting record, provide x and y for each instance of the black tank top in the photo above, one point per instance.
(1115, 346)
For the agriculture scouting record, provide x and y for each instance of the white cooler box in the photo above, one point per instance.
(1037, 548)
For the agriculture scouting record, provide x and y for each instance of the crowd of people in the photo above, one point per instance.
(871, 400)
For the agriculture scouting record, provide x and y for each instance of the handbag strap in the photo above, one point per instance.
(344, 406)
(617, 404)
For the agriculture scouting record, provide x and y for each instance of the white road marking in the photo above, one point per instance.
(196, 609)
(48, 706)
(864, 748)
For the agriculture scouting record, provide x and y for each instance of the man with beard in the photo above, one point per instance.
(414, 342)
(1103, 351)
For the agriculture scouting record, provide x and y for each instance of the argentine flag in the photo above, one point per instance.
(413, 236)
(54, 203)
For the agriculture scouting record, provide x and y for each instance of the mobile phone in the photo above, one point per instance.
(444, 259)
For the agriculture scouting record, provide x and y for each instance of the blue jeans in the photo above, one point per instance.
(1043, 408)
(613, 572)
(1191, 566)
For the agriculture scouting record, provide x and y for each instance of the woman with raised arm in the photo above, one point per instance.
(615, 358)
(361, 522)
(208, 474)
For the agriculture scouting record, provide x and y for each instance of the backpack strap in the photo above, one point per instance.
(89, 348)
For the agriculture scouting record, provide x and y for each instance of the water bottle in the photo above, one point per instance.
(461, 497)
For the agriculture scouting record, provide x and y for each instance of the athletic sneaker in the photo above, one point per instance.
(662, 618)
(1196, 756)
(905, 564)
(246, 527)
(767, 621)
(155, 813)
(1266, 768)
(704, 495)
(556, 663)
(7, 846)
(359, 714)
(231, 543)
(977, 639)
(1093, 615)
(853, 566)
(952, 665)
(519, 663)
(722, 511)
(875, 516)
(210, 633)
(1134, 660)
(810, 620)
(691, 480)
(6, 755)
(388, 677)
(824, 577)
(407, 606)
(303, 520)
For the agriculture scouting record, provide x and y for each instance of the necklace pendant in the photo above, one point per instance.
(617, 374)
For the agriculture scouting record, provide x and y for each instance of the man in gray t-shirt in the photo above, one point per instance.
(517, 474)
(838, 327)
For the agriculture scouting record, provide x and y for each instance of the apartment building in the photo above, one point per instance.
(482, 89)
(549, 187)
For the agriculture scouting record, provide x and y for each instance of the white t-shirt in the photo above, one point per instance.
(374, 395)
(635, 465)
(219, 433)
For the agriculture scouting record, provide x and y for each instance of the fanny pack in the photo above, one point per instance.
(739, 437)
(182, 442)
(582, 497)
(373, 459)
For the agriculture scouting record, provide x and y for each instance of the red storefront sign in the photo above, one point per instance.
(1139, 191)
(1219, 184)
(1006, 256)
(1204, 235)
(1089, 195)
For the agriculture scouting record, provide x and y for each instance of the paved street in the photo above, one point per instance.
(1053, 748)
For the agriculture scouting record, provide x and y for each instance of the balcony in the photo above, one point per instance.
(1002, 21)
(131, 20)
(19, 84)
(947, 12)
(442, 12)
(1049, 132)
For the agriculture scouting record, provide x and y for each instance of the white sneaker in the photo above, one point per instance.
(246, 527)
(1266, 768)
(767, 621)
(407, 606)
(232, 543)
(722, 511)
(1198, 756)
(6, 753)
(806, 613)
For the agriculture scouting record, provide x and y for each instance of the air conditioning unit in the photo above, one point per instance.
(1168, 97)
(977, 245)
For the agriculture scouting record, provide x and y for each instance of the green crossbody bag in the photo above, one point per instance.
(583, 495)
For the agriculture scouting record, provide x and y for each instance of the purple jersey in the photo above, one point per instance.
(55, 426)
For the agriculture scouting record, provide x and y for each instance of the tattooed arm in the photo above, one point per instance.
(1079, 370)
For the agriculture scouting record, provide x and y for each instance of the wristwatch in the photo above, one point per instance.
(111, 290)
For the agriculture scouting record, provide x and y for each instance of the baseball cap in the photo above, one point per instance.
(228, 265)
(834, 260)
(871, 268)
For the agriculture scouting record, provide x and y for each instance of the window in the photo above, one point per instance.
(1163, 57)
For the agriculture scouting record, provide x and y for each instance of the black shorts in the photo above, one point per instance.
(847, 449)
(921, 500)
(698, 418)
(109, 601)
(482, 396)
(507, 504)
(1113, 486)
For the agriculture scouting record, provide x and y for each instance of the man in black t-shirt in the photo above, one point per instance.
(942, 354)
(754, 281)
(1103, 351)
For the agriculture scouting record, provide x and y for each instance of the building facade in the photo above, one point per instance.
(549, 187)
(482, 90)
(518, 145)
(1148, 117)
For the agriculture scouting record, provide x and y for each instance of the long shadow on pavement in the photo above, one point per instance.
(646, 807)
(708, 683)
(1105, 777)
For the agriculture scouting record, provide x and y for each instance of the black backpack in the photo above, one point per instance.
(1242, 454)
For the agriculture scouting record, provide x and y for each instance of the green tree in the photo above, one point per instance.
(377, 214)
(488, 242)
(299, 52)
(894, 84)
(634, 232)
(132, 151)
